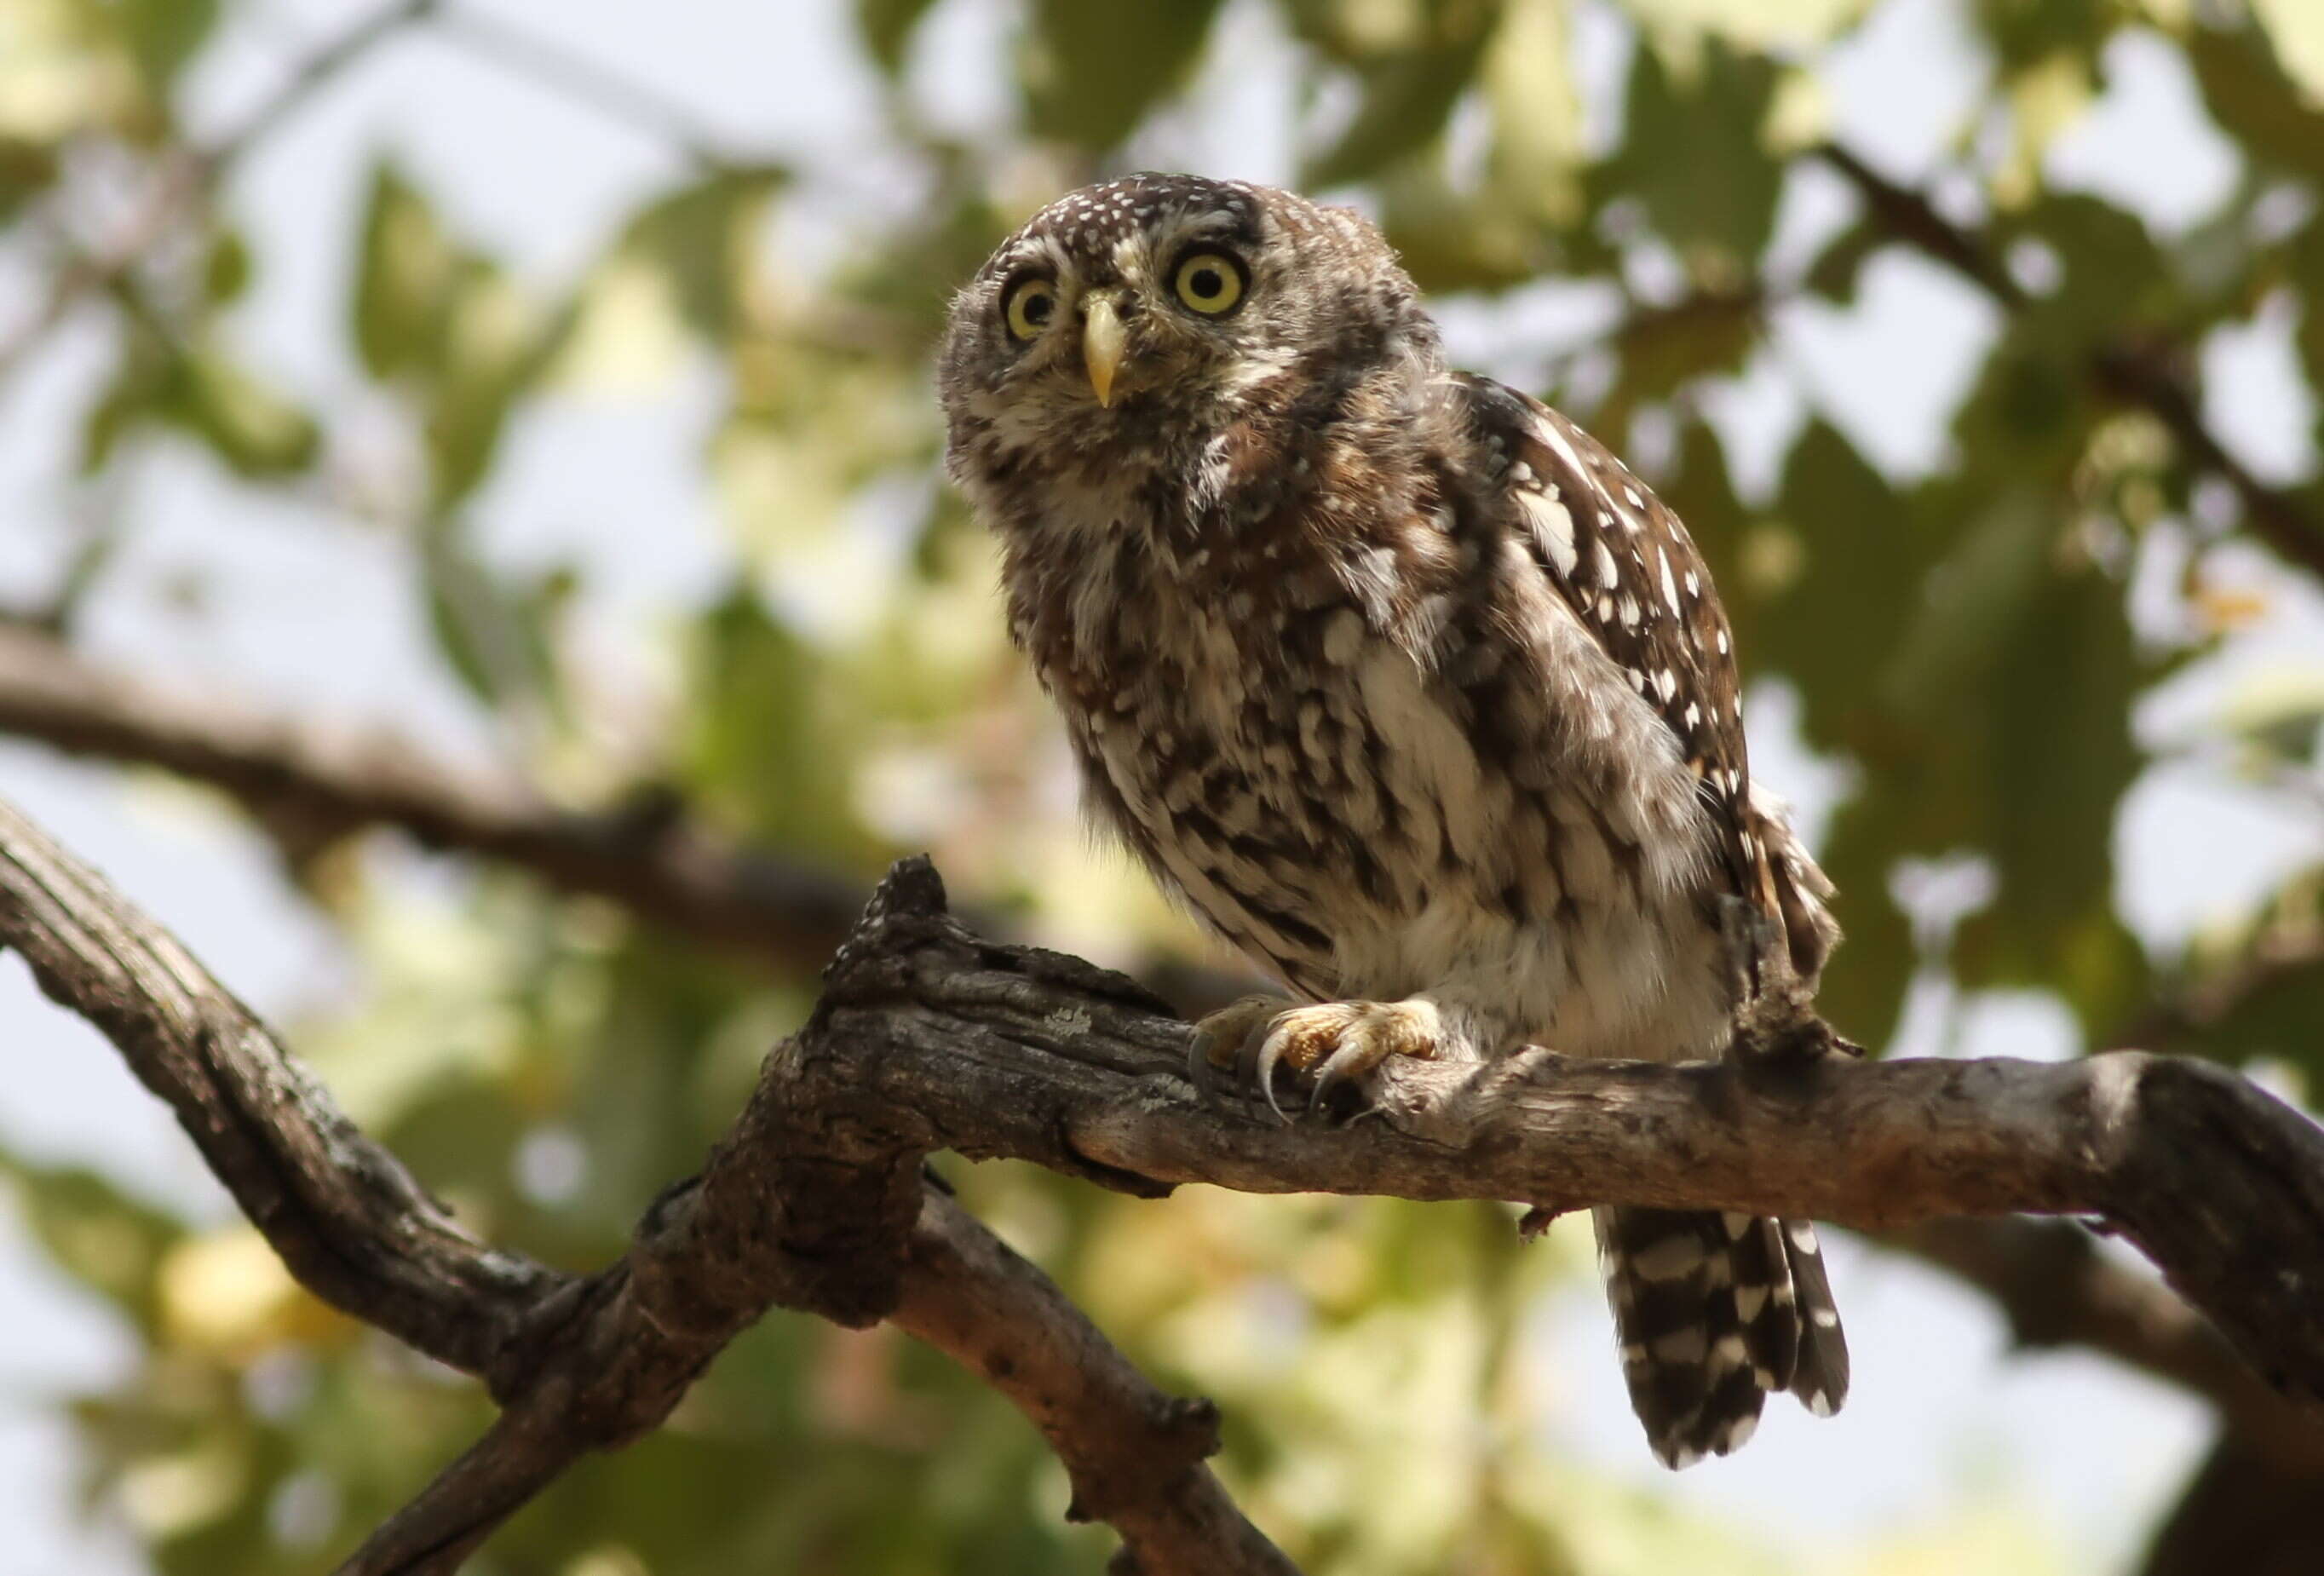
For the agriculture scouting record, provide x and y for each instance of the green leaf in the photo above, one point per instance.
(1090, 72)
(2032, 412)
(1661, 349)
(2307, 262)
(1450, 240)
(2255, 101)
(1838, 568)
(767, 752)
(703, 238)
(26, 167)
(163, 34)
(2024, 34)
(1534, 165)
(201, 392)
(499, 635)
(100, 1236)
(2112, 281)
(1407, 99)
(140, 383)
(1693, 154)
(2004, 730)
(1837, 269)
(448, 326)
(2059, 757)
(226, 271)
(1984, 699)
(256, 431)
(885, 28)
(405, 270)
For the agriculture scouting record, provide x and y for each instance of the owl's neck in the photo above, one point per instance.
(1210, 475)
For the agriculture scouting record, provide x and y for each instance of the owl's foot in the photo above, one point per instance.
(1319, 1048)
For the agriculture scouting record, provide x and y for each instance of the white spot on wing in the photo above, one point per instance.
(1546, 429)
(1552, 530)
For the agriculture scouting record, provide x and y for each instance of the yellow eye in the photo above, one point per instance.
(1032, 302)
(1209, 282)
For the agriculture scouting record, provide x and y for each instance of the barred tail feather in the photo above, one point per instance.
(1713, 1312)
(1820, 1380)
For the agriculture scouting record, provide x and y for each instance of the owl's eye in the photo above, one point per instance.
(1031, 303)
(1209, 282)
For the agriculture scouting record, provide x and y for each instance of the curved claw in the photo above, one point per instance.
(1265, 1053)
(1352, 1060)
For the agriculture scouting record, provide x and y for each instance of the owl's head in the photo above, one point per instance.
(1131, 323)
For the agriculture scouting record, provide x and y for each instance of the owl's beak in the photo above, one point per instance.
(1103, 344)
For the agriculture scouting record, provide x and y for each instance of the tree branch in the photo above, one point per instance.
(311, 781)
(929, 1038)
(814, 1202)
(2131, 373)
(1029, 1054)
(350, 1222)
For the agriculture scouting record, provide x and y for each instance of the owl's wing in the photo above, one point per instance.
(1622, 561)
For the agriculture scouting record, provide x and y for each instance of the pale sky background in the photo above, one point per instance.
(321, 618)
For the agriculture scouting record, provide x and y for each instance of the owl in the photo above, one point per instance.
(1403, 684)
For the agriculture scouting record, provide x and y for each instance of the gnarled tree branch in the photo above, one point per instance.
(813, 1201)
(927, 1037)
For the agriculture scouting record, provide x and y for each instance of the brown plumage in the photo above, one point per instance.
(1402, 684)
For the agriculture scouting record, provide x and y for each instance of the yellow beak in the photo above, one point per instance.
(1103, 343)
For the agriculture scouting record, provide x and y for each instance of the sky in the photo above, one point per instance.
(610, 476)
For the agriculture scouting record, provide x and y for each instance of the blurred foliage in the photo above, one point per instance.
(1963, 642)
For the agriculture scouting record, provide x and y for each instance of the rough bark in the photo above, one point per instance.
(929, 1038)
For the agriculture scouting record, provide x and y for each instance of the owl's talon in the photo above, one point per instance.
(1267, 1058)
(1351, 1061)
(1227, 1039)
(1320, 1047)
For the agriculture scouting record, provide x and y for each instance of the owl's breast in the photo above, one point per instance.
(1368, 811)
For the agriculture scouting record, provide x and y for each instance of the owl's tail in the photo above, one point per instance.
(1713, 1311)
